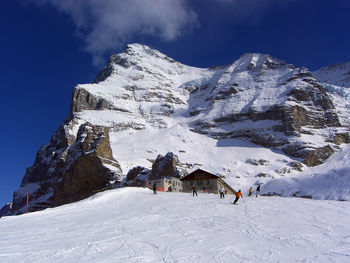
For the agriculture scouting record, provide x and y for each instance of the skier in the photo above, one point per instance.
(154, 188)
(257, 190)
(194, 191)
(238, 195)
(222, 192)
(170, 189)
(250, 191)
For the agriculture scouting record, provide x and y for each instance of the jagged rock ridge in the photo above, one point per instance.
(69, 168)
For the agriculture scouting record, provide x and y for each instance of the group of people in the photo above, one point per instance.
(222, 192)
(239, 193)
(257, 191)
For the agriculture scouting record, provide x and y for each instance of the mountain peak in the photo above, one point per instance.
(136, 50)
(143, 50)
(253, 61)
(136, 55)
(338, 75)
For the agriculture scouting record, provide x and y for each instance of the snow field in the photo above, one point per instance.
(226, 156)
(133, 225)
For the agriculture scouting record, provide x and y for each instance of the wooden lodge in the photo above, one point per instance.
(205, 182)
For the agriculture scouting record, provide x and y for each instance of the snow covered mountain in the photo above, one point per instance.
(253, 120)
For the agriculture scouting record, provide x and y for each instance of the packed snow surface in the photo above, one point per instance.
(133, 225)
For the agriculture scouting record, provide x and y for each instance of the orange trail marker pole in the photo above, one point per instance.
(27, 203)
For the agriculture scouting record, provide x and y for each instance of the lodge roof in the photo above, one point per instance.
(195, 175)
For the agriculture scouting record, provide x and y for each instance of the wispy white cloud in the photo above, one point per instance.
(108, 24)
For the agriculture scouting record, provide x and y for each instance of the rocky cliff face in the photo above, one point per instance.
(163, 166)
(270, 103)
(6, 210)
(143, 103)
(69, 168)
(336, 81)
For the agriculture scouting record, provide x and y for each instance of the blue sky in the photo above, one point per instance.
(49, 46)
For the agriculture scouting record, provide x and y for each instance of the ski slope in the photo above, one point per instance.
(133, 225)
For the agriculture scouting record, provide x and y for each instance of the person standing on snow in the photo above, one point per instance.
(194, 191)
(154, 188)
(238, 195)
(250, 191)
(222, 192)
(257, 190)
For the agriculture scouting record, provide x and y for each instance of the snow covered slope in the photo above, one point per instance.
(251, 121)
(133, 225)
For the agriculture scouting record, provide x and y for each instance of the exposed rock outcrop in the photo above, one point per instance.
(340, 138)
(138, 176)
(134, 172)
(165, 166)
(83, 100)
(68, 169)
(91, 170)
(311, 156)
(297, 166)
(6, 210)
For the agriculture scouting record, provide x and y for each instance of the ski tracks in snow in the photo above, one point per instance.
(132, 225)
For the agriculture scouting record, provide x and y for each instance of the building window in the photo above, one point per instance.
(199, 175)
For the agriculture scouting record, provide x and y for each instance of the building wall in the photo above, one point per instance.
(228, 190)
(176, 185)
(164, 183)
(205, 186)
(205, 182)
(208, 186)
